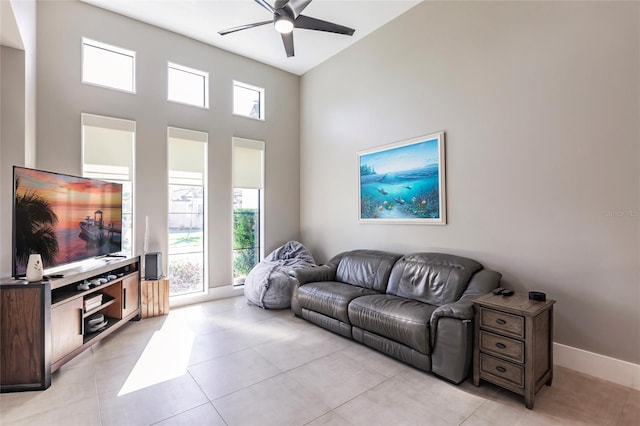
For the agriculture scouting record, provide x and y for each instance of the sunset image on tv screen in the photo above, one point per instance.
(64, 218)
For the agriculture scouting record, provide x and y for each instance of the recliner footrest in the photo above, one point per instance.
(330, 324)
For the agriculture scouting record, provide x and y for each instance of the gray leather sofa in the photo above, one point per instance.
(416, 308)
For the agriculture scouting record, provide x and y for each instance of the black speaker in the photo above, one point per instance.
(537, 295)
(152, 266)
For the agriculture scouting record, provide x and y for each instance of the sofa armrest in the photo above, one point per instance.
(451, 357)
(326, 272)
(311, 274)
(461, 310)
(451, 328)
(481, 283)
(314, 274)
(300, 277)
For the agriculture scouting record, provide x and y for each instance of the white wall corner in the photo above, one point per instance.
(600, 366)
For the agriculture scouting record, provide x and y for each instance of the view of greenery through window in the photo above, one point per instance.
(186, 263)
(186, 225)
(246, 232)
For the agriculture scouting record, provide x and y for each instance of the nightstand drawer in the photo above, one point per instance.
(502, 322)
(502, 346)
(504, 370)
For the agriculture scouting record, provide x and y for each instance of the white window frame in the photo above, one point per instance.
(112, 174)
(262, 102)
(200, 73)
(258, 146)
(113, 49)
(185, 178)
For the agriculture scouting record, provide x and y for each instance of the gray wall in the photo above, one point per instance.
(62, 98)
(540, 104)
(17, 109)
(12, 137)
(25, 15)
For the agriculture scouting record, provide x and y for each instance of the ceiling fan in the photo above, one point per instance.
(287, 15)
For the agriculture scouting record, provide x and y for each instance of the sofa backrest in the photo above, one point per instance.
(366, 268)
(433, 278)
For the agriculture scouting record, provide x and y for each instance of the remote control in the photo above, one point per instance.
(498, 290)
(507, 292)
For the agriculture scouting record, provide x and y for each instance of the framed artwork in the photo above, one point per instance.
(403, 182)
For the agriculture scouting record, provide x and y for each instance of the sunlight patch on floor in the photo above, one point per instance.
(165, 357)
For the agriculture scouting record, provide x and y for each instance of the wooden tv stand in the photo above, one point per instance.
(42, 324)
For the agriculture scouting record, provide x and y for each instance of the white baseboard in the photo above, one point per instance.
(600, 366)
(213, 293)
(603, 367)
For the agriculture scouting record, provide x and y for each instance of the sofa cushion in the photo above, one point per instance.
(402, 320)
(330, 298)
(366, 268)
(433, 278)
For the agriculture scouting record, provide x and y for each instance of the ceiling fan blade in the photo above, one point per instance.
(298, 6)
(244, 27)
(287, 39)
(266, 5)
(309, 23)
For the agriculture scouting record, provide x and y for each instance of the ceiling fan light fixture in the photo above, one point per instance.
(283, 24)
(287, 15)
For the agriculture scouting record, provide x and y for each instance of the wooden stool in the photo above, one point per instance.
(155, 298)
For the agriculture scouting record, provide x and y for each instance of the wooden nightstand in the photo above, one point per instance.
(513, 345)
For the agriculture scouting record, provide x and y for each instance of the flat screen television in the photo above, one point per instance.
(64, 218)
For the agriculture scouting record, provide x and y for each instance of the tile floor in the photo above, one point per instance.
(227, 363)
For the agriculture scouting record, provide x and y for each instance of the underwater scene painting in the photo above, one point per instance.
(404, 182)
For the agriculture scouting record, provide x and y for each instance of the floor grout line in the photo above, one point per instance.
(561, 403)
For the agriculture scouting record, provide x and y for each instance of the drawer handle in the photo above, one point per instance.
(501, 321)
(501, 345)
(501, 369)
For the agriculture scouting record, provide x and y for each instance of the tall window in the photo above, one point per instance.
(248, 182)
(108, 66)
(188, 85)
(187, 211)
(107, 153)
(248, 100)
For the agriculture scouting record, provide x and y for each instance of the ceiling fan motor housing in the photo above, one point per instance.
(284, 7)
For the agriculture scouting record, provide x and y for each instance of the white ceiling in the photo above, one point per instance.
(202, 19)
(9, 33)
